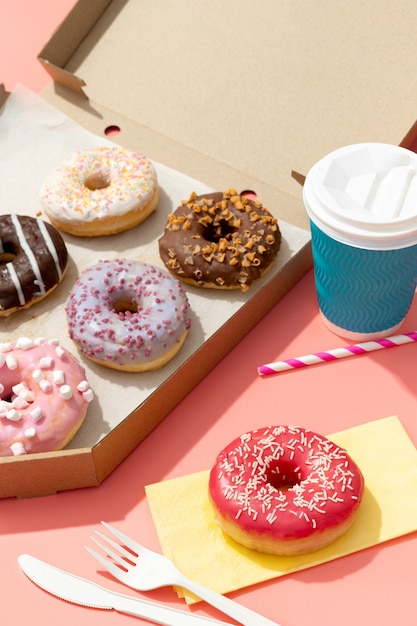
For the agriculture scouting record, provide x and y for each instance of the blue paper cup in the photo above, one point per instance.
(362, 204)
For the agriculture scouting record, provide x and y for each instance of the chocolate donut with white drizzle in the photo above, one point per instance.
(33, 261)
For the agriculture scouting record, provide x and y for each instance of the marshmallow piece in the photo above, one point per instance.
(13, 415)
(30, 432)
(66, 392)
(24, 343)
(20, 403)
(17, 448)
(45, 385)
(46, 363)
(88, 395)
(59, 377)
(11, 362)
(37, 375)
(61, 354)
(36, 413)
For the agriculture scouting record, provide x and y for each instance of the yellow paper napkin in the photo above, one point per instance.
(191, 538)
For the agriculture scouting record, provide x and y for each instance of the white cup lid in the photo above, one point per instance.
(365, 192)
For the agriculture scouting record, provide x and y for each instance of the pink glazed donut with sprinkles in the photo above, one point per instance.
(285, 490)
(128, 315)
(44, 396)
(101, 191)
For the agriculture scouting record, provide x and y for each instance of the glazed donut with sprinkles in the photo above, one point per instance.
(220, 241)
(33, 261)
(285, 490)
(101, 191)
(128, 315)
(44, 396)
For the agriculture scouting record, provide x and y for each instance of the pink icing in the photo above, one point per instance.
(44, 396)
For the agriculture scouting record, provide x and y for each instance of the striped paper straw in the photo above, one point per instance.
(337, 353)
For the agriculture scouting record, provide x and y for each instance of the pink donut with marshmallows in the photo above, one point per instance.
(44, 396)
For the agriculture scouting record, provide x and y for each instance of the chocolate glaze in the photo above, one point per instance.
(33, 259)
(220, 240)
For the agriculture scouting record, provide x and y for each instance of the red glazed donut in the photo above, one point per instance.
(284, 490)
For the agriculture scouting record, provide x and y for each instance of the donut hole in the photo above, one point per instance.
(96, 181)
(221, 230)
(283, 476)
(8, 254)
(123, 307)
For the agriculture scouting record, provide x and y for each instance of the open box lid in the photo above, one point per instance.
(241, 90)
(230, 93)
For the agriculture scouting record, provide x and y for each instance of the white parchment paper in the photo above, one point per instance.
(34, 138)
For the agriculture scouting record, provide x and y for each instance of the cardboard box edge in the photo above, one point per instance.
(89, 467)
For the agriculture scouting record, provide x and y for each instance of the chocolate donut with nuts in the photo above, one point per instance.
(220, 241)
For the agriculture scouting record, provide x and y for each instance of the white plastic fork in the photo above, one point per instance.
(142, 569)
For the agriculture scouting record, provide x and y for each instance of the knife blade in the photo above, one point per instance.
(86, 593)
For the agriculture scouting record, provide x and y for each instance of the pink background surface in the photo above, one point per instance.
(376, 586)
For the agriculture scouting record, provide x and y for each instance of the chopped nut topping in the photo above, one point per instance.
(227, 229)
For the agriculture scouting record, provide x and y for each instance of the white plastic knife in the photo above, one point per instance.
(77, 590)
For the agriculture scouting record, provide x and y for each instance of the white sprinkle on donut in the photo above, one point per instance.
(283, 490)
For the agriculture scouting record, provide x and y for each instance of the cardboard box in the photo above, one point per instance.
(232, 93)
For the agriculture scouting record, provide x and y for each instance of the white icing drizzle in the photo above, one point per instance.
(29, 253)
(16, 283)
(50, 245)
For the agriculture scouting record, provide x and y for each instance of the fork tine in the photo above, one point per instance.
(128, 541)
(120, 555)
(108, 565)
